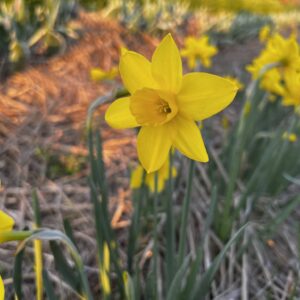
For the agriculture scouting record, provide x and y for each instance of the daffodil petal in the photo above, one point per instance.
(118, 114)
(188, 140)
(203, 95)
(153, 145)
(135, 71)
(6, 222)
(167, 66)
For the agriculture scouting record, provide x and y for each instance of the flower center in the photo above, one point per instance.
(152, 107)
(164, 107)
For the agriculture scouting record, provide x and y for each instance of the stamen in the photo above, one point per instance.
(164, 107)
(167, 109)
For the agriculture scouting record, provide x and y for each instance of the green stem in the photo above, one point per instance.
(134, 230)
(99, 195)
(241, 136)
(155, 236)
(185, 212)
(170, 226)
(14, 235)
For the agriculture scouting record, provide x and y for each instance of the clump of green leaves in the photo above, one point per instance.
(60, 164)
(30, 27)
(244, 26)
(150, 16)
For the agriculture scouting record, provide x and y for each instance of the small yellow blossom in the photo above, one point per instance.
(167, 104)
(285, 52)
(98, 74)
(198, 49)
(235, 81)
(291, 137)
(264, 33)
(2, 290)
(278, 50)
(163, 175)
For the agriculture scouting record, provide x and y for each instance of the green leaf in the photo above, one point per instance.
(18, 274)
(69, 274)
(54, 235)
(204, 285)
(69, 231)
(192, 276)
(283, 214)
(129, 286)
(48, 286)
(175, 286)
(36, 209)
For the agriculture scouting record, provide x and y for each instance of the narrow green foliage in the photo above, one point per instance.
(282, 215)
(174, 290)
(155, 238)
(129, 287)
(201, 289)
(134, 230)
(69, 231)
(48, 286)
(55, 235)
(185, 213)
(18, 274)
(68, 273)
(36, 209)
(170, 230)
(196, 264)
(99, 193)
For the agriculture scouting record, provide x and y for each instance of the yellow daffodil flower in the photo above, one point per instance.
(291, 95)
(279, 50)
(163, 175)
(235, 81)
(98, 74)
(198, 49)
(2, 290)
(291, 137)
(264, 33)
(166, 104)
